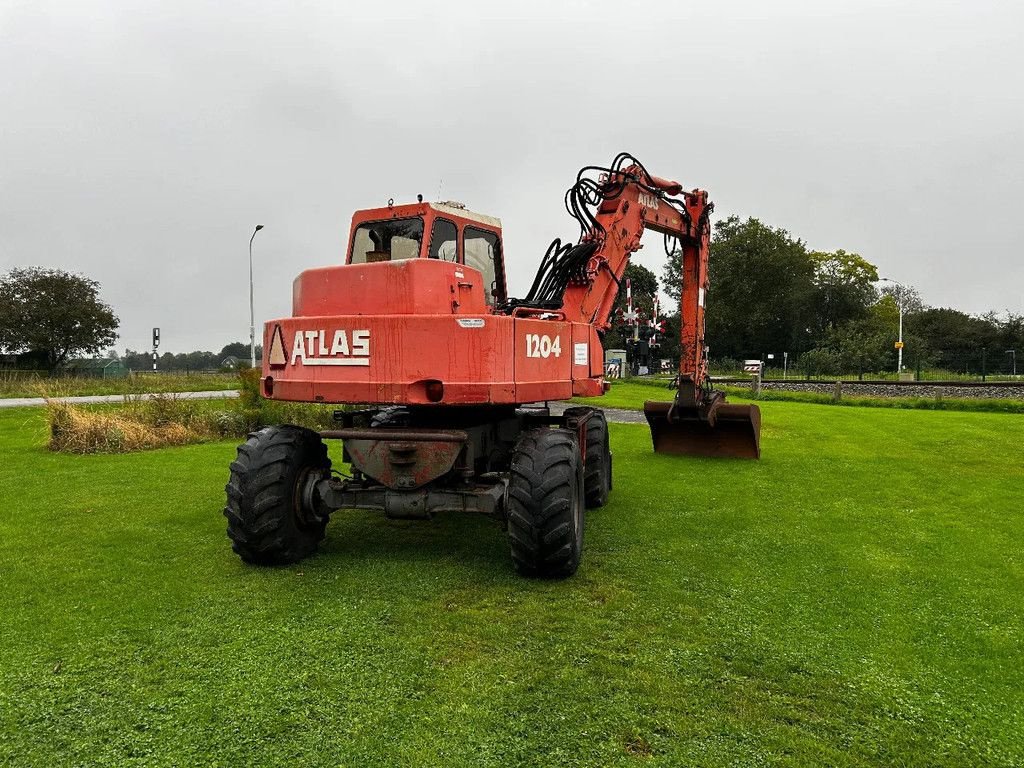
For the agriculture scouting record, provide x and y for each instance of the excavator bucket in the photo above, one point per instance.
(728, 431)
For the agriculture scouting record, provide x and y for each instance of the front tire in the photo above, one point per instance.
(267, 521)
(545, 504)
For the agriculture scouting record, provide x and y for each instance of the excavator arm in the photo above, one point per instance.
(614, 211)
(632, 202)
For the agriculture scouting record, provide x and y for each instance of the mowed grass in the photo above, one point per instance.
(631, 395)
(854, 598)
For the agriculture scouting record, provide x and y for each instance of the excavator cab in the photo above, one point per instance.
(443, 232)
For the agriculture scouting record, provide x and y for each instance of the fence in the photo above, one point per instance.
(976, 365)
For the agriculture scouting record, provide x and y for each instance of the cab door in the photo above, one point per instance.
(481, 250)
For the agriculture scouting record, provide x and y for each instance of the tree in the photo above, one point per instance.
(761, 289)
(912, 301)
(237, 349)
(1009, 340)
(240, 349)
(845, 288)
(865, 345)
(55, 314)
(954, 339)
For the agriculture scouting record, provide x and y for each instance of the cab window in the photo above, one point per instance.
(482, 250)
(391, 240)
(443, 240)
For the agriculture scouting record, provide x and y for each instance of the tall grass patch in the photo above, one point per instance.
(166, 420)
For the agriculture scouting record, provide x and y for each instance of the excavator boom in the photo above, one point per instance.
(628, 201)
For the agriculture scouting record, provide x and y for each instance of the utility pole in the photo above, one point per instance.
(899, 342)
(252, 313)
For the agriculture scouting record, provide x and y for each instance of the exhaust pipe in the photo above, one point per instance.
(725, 431)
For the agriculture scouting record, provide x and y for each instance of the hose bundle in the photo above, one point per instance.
(564, 263)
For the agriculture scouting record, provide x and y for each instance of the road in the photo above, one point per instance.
(614, 415)
(25, 402)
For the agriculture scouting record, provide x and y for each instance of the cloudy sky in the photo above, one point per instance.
(140, 143)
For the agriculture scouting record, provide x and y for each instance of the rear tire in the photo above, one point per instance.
(597, 469)
(267, 523)
(545, 504)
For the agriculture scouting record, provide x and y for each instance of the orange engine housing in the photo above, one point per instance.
(423, 330)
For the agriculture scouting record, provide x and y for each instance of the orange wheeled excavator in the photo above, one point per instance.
(454, 377)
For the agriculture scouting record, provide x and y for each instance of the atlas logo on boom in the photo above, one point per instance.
(312, 348)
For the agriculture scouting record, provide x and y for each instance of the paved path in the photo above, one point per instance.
(23, 402)
(616, 415)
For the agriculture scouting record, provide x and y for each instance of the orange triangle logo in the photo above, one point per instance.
(278, 357)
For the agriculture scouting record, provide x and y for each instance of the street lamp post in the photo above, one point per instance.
(899, 302)
(252, 313)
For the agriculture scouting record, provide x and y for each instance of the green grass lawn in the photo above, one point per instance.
(854, 598)
(631, 395)
(135, 383)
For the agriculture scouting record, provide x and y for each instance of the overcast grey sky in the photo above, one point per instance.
(141, 142)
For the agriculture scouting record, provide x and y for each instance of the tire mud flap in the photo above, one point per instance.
(732, 431)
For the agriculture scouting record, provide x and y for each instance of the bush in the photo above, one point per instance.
(820, 361)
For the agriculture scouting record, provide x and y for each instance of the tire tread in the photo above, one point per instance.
(262, 521)
(544, 476)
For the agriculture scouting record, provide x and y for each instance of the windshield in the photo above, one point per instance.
(390, 240)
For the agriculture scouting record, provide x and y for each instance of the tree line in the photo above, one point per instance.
(770, 293)
(191, 361)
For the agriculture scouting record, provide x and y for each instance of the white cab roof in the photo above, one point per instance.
(458, 209)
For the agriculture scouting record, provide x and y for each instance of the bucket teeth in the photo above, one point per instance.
(733, 431)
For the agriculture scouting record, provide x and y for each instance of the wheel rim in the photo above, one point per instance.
(304, 504)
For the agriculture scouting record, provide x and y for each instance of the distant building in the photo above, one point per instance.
(97, 368)
(233, 363)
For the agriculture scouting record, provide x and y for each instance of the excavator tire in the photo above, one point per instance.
(267, 524)
(545, 504)
(597, 469)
